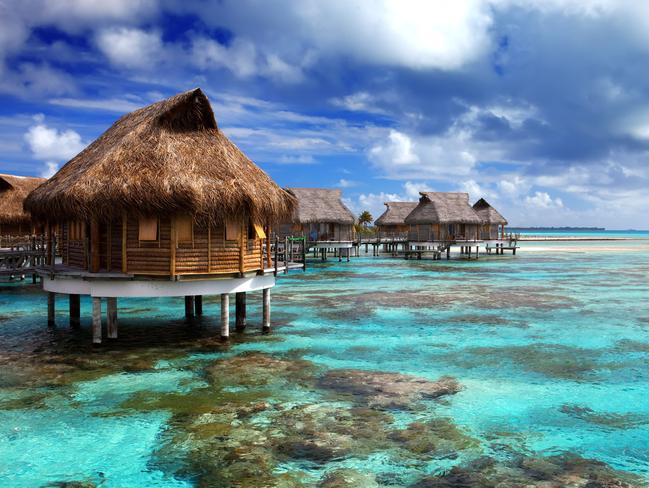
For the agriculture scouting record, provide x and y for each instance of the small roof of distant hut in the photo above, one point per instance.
(488, 214)
(395, 213)
(443, 208)
(13, 191)
(169, 157)
(320, 205)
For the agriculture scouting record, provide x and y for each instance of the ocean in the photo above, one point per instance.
(379, 372)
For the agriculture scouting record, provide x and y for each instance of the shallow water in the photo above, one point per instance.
(550, 349)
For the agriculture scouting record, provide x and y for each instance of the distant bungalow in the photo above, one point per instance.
(443, 217)
(322, 218)
(15, 222)
(392, 222)
(161, 204)
(493, 223)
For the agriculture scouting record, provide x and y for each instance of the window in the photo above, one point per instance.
(184, 229)
(148, 229)
(232, 230)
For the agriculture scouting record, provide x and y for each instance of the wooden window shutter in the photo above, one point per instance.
(259, 230)
(185, 228)
(232, 229)
(148, 229)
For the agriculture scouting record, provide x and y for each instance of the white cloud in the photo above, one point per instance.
(543, 200)
(405, 157)
(118, 105)
(411, 190)
(52, 146)
(357, 102)
(299, 159)
(129, 47)
(344, 183)
(415, 34)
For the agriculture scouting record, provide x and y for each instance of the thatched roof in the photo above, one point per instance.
(488, 214)
(165, 158)
(13, 191)
(395, 213)
(320, 205)
(443, 208)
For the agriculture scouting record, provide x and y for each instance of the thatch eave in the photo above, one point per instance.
(169, 157)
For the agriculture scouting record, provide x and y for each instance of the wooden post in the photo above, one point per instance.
(189, 307)
(265, 327)
(94, 246)
(172, 251)
(198, 305)
(111, 317)
(124, 235)
(269, 261)
(75, 311)
(225, 316)
(276, 252)
(209, 247)
(286, 255)
(240, 313)
(51, 309)
(241, 250)
(96, 320)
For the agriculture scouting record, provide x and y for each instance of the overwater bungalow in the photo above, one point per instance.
(15, 222)
(493, 223)
(322, 219)
(443, 217)
(161, 204)
(392, 223)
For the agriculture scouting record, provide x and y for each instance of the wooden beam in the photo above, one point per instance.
(95, 237)
(209, 247)
(225, 316)
(124, 240)
(269, 260)
(172, 248)
(96, 320)
(111, 317)
(241, 249)
(109, 246)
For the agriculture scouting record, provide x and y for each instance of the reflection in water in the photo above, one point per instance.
(498, 372)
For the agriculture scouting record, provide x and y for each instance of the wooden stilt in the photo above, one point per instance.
(240, 311)
(51, 309)
(189, 307)
(266, 310)
(225, 316)
(96, 320)
(198, 305)
(111, 317)
(75, 311)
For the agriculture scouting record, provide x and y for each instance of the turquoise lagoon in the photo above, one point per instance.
(550, 347)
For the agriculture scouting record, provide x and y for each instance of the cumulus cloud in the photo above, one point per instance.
(52, 146)
(130, 47)
(542, 199)
(414, 34)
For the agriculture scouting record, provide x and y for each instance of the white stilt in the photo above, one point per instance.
(96, 320)
(111, 317)
(266, 310)
(225, 316)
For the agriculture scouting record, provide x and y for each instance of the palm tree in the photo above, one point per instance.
(365, 218)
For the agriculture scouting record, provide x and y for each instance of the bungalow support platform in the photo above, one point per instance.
(100, 287)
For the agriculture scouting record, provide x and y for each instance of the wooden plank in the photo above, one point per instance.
(269, 261)
(124, 235)
(94, 246)
(241, 249)
(174, 244)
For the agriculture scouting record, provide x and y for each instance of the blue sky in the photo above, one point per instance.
(540, 106)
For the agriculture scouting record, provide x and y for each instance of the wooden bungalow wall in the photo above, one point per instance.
(440, 232)
(209, 252)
